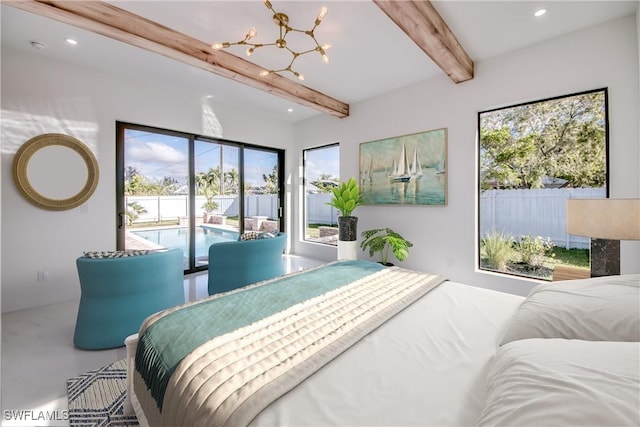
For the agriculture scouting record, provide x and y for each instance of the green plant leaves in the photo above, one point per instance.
(383, 240)
(346, 197)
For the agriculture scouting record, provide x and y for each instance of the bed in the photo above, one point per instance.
(429, 352)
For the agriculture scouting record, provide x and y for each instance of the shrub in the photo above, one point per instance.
(533, 251)
(497, 249)
(134, 210)
(210, 205)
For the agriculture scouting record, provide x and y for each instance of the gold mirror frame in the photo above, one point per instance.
(31, 147)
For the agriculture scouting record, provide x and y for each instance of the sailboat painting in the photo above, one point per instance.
(409, 169)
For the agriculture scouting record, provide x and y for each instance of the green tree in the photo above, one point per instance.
(326, 183)
(208, 184)
(136, 184)
(561, 138)
(232, 182)
(140, 185)
(271, 181)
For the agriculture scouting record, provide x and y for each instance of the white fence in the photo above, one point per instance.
(541, 212)
(516, 212)
(318, 212)
(161, 208)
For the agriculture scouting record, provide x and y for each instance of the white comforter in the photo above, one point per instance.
(426, 366)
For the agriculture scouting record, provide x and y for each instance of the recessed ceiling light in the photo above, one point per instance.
(540, 12)
(71, 41)
(38, 45)
(290, 110)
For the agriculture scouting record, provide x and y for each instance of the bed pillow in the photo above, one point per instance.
(556, 382)
(597, 309)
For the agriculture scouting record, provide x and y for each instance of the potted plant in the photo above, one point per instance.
(345, 198)
(384, 240)
(209, 208)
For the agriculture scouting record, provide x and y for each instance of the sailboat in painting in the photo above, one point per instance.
(416, 168)
(440, 170)
(400, 171)
(367, 173)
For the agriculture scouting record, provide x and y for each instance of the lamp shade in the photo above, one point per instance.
(613, 219)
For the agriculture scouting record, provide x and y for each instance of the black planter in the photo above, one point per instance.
(348, 228)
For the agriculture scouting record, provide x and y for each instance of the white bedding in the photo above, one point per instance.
(441, 362)
(544, 382)
(426, 366)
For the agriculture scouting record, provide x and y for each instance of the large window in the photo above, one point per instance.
(321, 174)
(532, 158)
(178, 190)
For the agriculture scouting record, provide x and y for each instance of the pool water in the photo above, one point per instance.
(178, 238)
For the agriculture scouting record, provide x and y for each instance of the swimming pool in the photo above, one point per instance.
(178, 238)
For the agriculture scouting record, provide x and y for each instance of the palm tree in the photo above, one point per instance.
(232, 181)
(208, 183)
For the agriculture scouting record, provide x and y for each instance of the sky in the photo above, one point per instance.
(157, 155)
(323, 160)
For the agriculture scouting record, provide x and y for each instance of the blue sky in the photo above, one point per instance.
(156, 156)
(322, 161)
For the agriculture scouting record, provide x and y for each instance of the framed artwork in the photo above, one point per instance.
(408, 170)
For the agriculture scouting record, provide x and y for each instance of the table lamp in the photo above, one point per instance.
(606, 222)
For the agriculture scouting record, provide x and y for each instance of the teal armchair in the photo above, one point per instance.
(236, 264)
(117, 294)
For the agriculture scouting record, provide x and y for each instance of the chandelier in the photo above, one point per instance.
(282, 21)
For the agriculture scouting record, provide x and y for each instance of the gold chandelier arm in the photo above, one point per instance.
(282, 21)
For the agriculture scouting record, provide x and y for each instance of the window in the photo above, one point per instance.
(178, 190)
(532, 158)
(321, 174)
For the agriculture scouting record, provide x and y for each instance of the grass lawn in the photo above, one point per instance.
(578, 258)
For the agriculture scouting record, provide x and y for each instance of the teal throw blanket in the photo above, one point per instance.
(168, 340)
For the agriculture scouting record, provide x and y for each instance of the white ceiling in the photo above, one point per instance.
(370, 54)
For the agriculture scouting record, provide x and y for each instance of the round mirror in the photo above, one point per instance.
(55, 171)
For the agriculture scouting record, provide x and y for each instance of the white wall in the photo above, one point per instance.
(42, 96)
(445, 237)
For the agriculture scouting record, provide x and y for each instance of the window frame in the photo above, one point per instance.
(479, 189)
(122, 126)
(304, 190)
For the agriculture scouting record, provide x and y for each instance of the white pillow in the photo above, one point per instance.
(597, 309)
(557, 382)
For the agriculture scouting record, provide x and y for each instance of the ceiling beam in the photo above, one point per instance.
(108, 20)
(424, 25)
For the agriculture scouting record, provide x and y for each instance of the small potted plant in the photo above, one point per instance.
(385, 240)
(209, 208)
(345, 198)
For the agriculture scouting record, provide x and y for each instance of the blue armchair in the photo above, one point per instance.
(117, 294)
(236, 264)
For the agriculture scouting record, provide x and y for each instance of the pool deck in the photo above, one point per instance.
(138, 243)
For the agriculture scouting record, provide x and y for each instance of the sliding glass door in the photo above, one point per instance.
(262, 184)
(178, 190)
(217, 188)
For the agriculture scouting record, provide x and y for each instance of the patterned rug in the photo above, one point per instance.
(96, 398)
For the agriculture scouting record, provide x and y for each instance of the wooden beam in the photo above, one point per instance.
(424, 25)
(108, 20)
